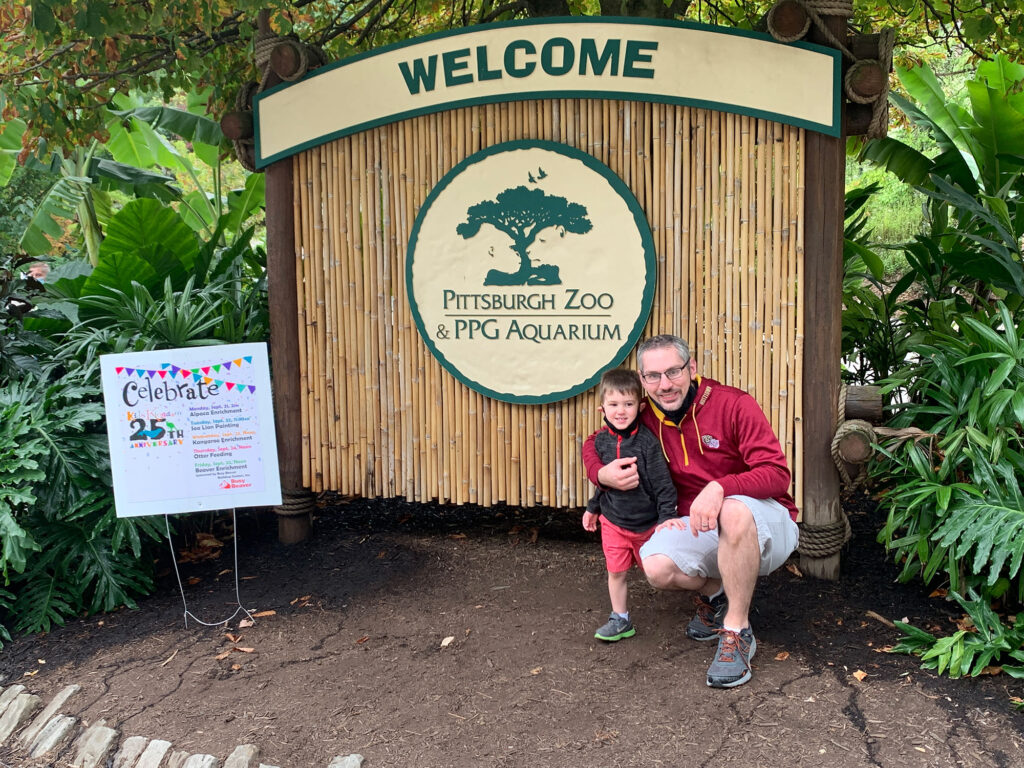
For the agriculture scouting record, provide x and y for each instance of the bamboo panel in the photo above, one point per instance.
(724, 196)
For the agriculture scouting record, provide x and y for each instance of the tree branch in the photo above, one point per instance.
(513, 7)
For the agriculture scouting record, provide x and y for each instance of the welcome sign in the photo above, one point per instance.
(190, 429)
(531, 269)
(636, 59)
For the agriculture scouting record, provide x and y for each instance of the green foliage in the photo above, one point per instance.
(20, 349)
(895, 211)
(971, 249)
(873, 339)
(64, 550)
(945, 341)
(969, 652)
(954, 501)
(60, 61)
(6, 599)
(976, 146)
(158, 283)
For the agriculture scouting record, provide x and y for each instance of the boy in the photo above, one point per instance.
(628, 518)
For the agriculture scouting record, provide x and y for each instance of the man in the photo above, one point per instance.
(737, 515)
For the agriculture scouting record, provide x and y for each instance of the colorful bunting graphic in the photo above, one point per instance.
(186, 373)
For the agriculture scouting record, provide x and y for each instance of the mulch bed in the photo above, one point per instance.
(423, 635)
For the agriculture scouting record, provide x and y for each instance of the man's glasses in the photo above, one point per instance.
(672, 374)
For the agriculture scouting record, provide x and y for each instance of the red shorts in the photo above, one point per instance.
(622, 547)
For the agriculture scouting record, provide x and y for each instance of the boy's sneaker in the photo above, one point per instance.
(731, 666)
(616, 628)
(708, 621)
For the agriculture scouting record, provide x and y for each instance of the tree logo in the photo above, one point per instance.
(530, 271)
(523, 213)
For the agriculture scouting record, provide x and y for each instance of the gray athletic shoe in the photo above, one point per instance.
(616, 628)
(731, 666)
(707, 622)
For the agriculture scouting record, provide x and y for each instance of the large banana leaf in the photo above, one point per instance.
(1005, 76)
(133, 181)
(999, 130)
(949, 118)
(187, 125)
(908, 164)
(128, 144)
(197, 211)
(61, 202)
(10, 145)
(242, 203)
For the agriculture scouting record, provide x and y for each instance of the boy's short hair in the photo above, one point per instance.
(624, 380)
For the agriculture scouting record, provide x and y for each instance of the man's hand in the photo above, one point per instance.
(706, 507)
(619, 474)
(589, 521)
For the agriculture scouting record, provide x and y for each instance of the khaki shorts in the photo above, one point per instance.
(777, 538)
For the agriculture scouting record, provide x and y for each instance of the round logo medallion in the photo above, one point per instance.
(530, 270)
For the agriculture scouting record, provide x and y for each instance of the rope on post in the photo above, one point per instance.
(265, 40)
(880, 114)
(772, 23)
(824, 540)
(816, 9)
(853, 426)
(245, 149)
(296, 503)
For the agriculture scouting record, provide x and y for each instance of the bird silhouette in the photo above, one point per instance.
(530, 177)
(540, 173)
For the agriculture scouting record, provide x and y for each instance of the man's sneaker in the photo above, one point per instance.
(707, 622)
(616, 628)
(731, 666)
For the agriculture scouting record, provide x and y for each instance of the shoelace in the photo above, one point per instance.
(730, 644)
(705, 612)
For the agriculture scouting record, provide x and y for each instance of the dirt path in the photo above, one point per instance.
(355, 658)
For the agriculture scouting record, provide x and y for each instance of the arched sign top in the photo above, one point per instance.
(670, 62)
